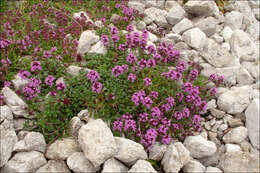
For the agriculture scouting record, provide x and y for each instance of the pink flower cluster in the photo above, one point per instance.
(93, 76)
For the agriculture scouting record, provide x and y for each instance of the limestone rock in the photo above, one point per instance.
(235, 100)
(244, 77)
(75, 125)
(239, 162)
(77, 162)
(199, 147)
(193, 166)
(61, 149)
(113, 165)
(175, 14)
(97, 142)
(86, 40)
(157, 151)
(32, 141)
(252, 122)
(195, 38)
(129, 151)
(98, 48)
(216, 55)
(207, 25)
(54, 166)
(25, 162)
(236, 135)
(234, 20)
(19, 83)
(232, 148)
(211, 169)
(136, 5)
(182, 26)
(16, 104)
(201, 8)
(142, 166)
(156, 15)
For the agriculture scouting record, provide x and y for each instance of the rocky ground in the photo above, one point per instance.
(225, 44)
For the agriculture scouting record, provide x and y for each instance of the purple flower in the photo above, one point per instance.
(186, 112)
(131, 77)
(151, 49)
(135, 99)
(147, 102)
(156, 112)
(187, 87)
(122, 47)
(93, 76)
(127, 116)
(36, 65)
(7, 84)
(117, 125)
(142, 63)
(53, 93)
(60, 86)
(143, 117)
(130, 28)
(53, 49)
(147, 81)
(220, 79)
(154, 94)
(49, 80)
(175, 126)
(24, 74)
(166, 140)
(125, 67)
(177, 115)
(47, 54)
(212, 77)
(97, 87)
(170, 101)
(131, 58)
(113, 30)
(213, 91)
(105, 40)
(130, 124)
(196, 119)
(118, 6)
(115, 38)
(151, 135)
(193, 75)
(181, 66)
(59, 57)
(151, 63)
(166, 107)
(117, 70)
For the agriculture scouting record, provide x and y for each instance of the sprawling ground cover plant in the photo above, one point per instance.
(145, 91)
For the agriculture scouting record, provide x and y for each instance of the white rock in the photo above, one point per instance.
(201, 8)
(223, 127)
(5, 113)
(19, 123)
(211, 169)
(242, 46)
(244, 77)
(193, 166)
(61, 149)
(97, 142)
(86, 40)
(15, 103)
(98, 48)
(234, 20)
(25, 162)
(252, 68)
(19, 83)
(155, 15)
(8, 140)
(227, 33)
(136, 5)
(32, 141)
(129, 151)
(254, 4)
(182, 26)
(207, 25)
(74, 70)
(175, 157)
(142, 166)
(54, 166)
(113, 165)
(141, 25)
(75, 125)
(257, 13)
(99, 24)
(217, 38)
(152, 37)
(84, 115)
(195, 38)
(216, 55)
(211, 104)
(226, 46)
(236, 135)
(239, 162)
(235, 100)
(232, 148)
(199, 147)
(77, 162)
(157, 151)
(229, 74)
(252, 122)
(154, 3)
(175, 14)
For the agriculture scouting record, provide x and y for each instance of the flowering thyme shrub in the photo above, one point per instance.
(145, 91)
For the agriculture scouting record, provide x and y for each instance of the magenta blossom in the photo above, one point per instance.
(93, 76)
(105, 40)
(60, 86)
(97, 87)
(24, 74)
(49, 80)
(131, 77)
(36, 65)
(147, 81)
